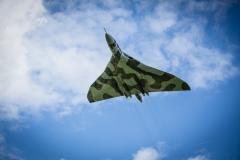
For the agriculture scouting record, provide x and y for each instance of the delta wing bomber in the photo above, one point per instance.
(126, 76)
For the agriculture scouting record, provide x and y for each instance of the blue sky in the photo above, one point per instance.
(51, 51)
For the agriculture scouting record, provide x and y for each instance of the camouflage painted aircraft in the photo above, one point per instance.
(126, 76)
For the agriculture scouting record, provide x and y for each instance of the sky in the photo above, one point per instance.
(51, 51)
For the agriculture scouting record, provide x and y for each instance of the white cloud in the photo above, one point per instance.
(16, 85)
(205, 65)
(198, 157)
(148, 153)
(49, 60)
(162, 19)
(160, 153)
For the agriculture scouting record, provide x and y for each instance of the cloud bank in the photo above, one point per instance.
(49, 59)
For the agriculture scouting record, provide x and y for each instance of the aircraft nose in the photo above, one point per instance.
(109, 38)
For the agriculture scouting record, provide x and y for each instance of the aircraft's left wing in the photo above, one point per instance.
(152, 79)
(104, 87)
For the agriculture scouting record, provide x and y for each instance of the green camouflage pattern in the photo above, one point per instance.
(126, 76)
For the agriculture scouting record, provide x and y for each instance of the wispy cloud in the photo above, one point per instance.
(198, 157)
(1, 138)
(6, 153)
(48, 60)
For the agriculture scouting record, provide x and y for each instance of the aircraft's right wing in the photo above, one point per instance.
(105, 86)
